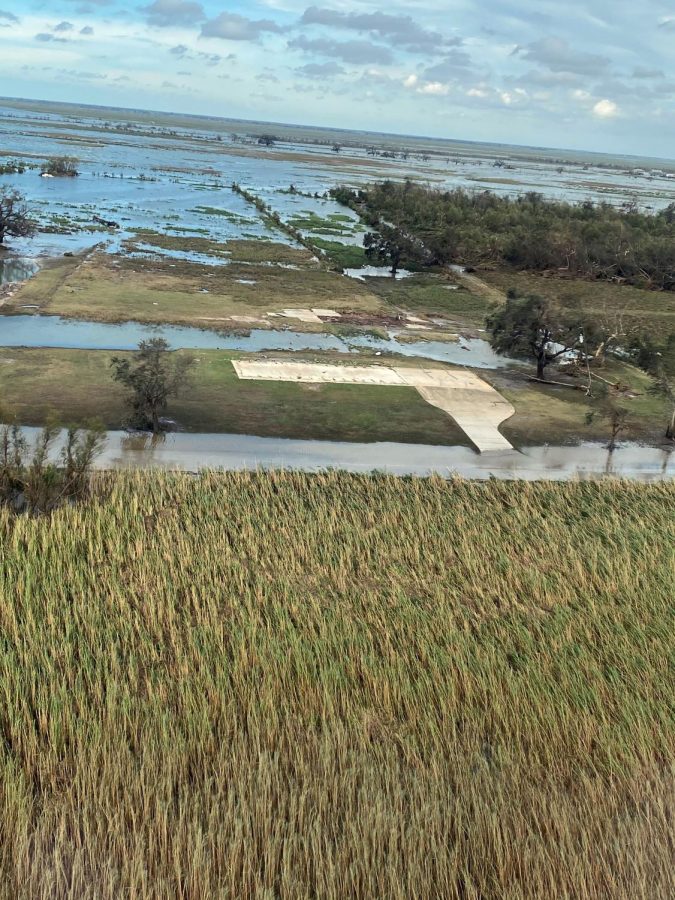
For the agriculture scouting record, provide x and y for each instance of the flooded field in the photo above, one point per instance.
(175, 179)
(52, 331)
(195, 222)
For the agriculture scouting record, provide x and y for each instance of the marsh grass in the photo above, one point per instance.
(287, 685)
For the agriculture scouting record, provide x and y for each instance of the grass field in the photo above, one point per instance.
(284, 685)
(107, 288)
(651, 311)
(76, 385)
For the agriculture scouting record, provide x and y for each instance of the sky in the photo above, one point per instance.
(594, 75)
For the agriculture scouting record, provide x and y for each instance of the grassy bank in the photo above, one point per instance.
(292, 686)
(76, 385)
(649, 311)
(114, 289)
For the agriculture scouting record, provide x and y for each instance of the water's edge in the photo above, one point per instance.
(232, 452)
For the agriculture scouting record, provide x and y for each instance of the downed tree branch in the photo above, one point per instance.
(613, 384)
(575, 387)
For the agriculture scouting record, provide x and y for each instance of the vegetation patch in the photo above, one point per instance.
(77, 385)
(337, 686)
(345, 256)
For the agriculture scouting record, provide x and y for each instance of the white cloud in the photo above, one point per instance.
(434, 88)
(605, 109)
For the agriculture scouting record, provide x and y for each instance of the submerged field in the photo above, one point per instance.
(289, 685)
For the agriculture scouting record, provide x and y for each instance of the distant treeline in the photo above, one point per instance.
(526, 232)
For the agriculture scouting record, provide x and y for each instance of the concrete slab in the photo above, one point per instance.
(303, 315)
(474, 404)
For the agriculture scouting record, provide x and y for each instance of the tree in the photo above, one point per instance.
(152, 376)
(33, 480)
(61, 166)
(15, 219)
(659, 362)
(534, 326)
(391, 246)
(617, 416)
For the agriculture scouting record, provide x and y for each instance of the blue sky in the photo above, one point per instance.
(589, 75)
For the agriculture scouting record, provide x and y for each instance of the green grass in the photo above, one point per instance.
(650, 311)
(345, 256)
(547, 414)
(334, 224)
(76, 386)
(284, 685)
(432, 294)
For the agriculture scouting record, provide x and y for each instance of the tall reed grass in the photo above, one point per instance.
(290, 685)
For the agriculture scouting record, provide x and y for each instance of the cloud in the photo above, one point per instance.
(605, 109)
(402, 31)
(556, 54)
(233, 27)
(321, 70)
(8, 16)
(667, 22)
(435, 88)
(358, 52)
(48, 36)
(87, 30)
(63, 26)
(641, 72)
(455, 66)
(179, 50)
(165, 13)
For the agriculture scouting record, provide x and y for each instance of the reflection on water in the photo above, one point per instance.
(16, 268)
(53, 331)
(192, 452)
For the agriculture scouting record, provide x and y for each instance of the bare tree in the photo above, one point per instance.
(15, 220)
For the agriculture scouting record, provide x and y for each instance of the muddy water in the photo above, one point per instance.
(53, 331)
(192, 452)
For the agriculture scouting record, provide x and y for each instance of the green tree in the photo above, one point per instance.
(659, 361)
(534, 327)
(15, 220)
(152, 375)
(61, 166)
(390, 246)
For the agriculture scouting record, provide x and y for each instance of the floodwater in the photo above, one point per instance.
(73, 334)
(17, 268)
(192, 452)
(179, 182)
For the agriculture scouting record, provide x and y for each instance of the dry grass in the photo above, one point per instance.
(107, 289)
(285, 685)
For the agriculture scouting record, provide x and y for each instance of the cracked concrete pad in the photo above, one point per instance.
(475, 406)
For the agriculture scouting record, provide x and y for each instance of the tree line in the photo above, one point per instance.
(526, 232)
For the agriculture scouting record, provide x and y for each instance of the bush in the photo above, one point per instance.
(30, 481)
(61, 166)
